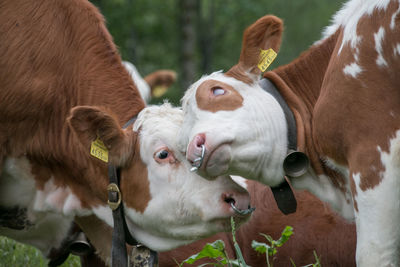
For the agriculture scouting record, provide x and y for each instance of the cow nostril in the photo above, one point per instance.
(229, 200)
(200, 140)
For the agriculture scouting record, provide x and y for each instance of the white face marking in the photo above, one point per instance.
(183, 206)
(255, 154)
(353, 69)
(379, 37)
(348, 18)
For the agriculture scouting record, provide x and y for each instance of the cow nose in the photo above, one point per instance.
(237, 202)
(195, 147)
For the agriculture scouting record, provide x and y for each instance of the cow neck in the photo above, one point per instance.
(269, 87)
(121, 234)
(299, 83)
(283, 193)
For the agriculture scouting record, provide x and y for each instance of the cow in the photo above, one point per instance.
(154, 84)
(63, 100)
(316, 228)
(337, 104)
(159, 126)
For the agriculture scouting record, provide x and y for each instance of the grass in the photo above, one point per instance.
(18, 255)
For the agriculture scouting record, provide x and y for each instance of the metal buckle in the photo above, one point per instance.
(113, 188)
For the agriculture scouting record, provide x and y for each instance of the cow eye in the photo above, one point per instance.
(163, 154)
(218, 91)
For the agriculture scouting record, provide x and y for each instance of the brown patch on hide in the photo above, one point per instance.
(316, 228)
(206, 100)
(135, 185)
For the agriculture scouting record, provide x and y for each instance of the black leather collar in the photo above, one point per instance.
(121, 234)
(283, 193)
(270, 88)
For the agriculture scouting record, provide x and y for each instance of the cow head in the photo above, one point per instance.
(165, 204)
(239, 124)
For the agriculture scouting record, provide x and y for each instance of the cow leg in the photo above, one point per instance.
(377, 215)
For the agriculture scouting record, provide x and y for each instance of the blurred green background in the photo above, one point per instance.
(196, 37)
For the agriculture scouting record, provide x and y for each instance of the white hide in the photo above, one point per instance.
(352, 69)
(191, 207)
(257, 130)
(141, 84)
(378, 216)
(49, 224)
(378, 37)
(348, 18)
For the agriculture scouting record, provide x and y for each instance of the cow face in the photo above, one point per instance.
(240, 125)
(166, 205)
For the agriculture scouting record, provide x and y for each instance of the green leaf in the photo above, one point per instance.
(269, 238)
(286, 234)
(214, 250)
(272, 251)
(260, 247)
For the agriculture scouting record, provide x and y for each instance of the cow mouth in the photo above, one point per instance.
(208, 160)
(216, 163)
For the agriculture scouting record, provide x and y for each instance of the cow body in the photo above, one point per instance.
(343, 93)
(316, 228)
(63, 86)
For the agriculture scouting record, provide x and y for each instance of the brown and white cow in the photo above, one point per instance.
(63, 86)
(154, 84)
(344, 95)
(316, 228)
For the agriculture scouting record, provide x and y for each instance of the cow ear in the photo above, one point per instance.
(159, 81)
(90, 123)
(264, 34)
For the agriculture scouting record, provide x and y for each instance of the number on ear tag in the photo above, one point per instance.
(99, 150)
(266, 58)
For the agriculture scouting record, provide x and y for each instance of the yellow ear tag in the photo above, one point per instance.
(160, 90)
(99, 150)
(266, 58)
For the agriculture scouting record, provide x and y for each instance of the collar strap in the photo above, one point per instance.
(131, 121)
(121, 234)
(270, 88)
(295, 163)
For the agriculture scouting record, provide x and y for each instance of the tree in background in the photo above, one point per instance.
(187, 28)
(195, 37)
